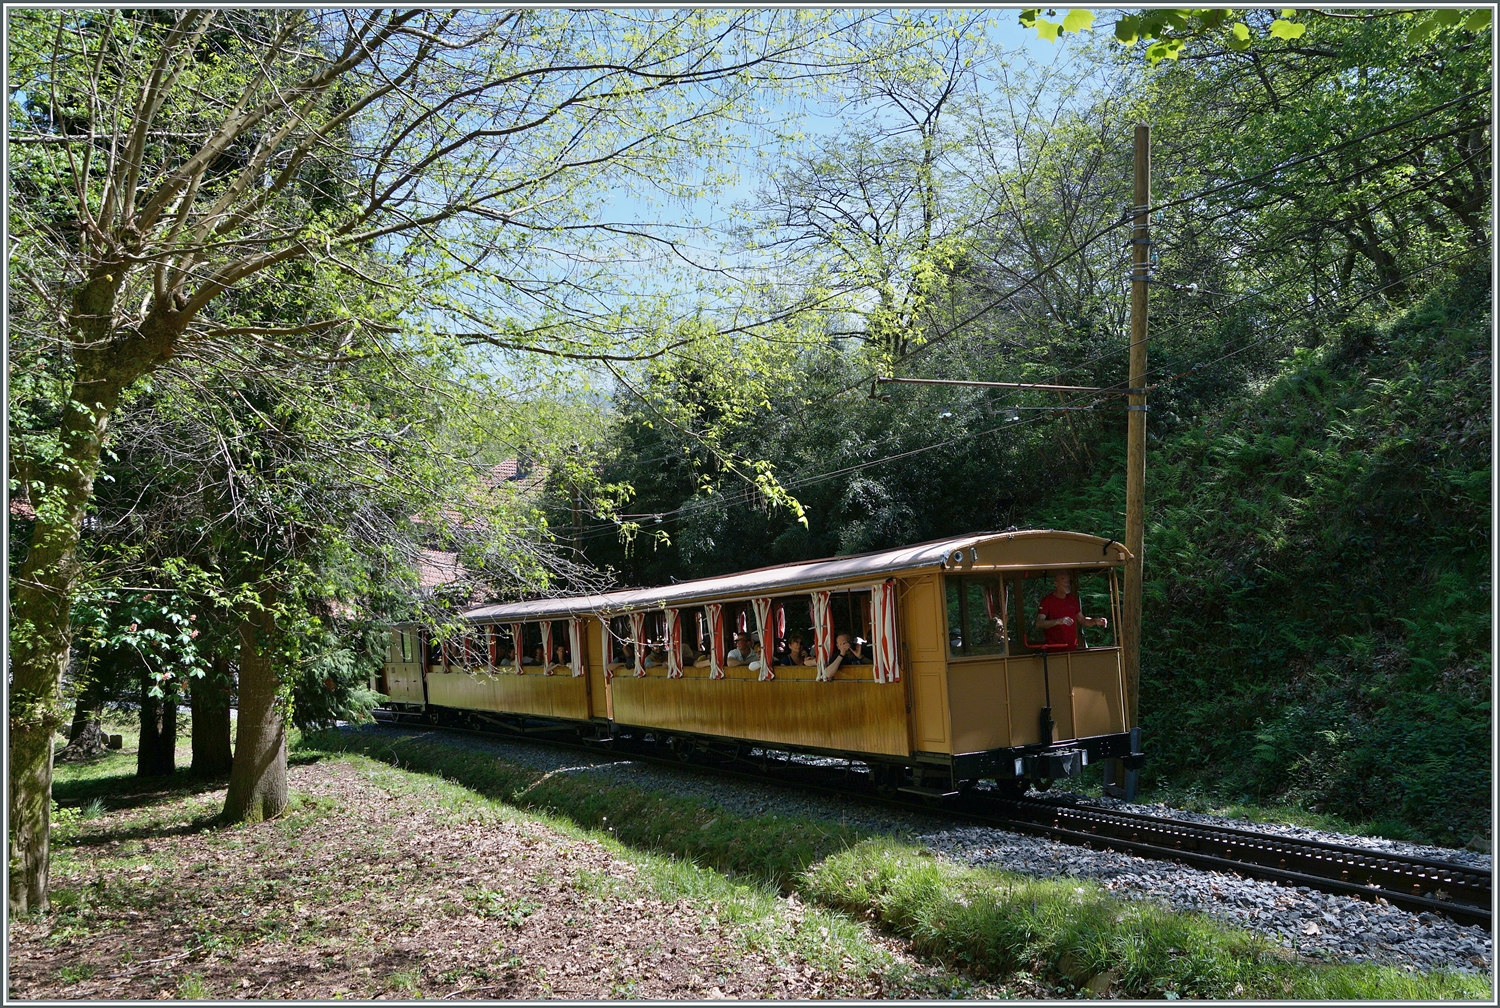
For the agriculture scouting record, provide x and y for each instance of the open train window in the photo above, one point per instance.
(1092, 589)
(502, 647)
(692, 624)
(1094, 595)
(531, 644)
(561, 647)
(739, 617)
(851, 613)
(618, 646)
(976, 616)
(407, 642)
(792, 616)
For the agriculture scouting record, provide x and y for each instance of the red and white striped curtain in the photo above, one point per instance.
(575, 645)
(767, 637)
(546, 647)
(609, 649)
(714, 613)
(637, 638)
(674, 644)
(883, 632)
(518, 641)
(822, 631)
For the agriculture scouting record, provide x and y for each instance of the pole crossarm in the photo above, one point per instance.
(986, 384)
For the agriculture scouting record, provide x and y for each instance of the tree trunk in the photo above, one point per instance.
(86, 736)
(157, 755)
(212, 755)
(40, 638)
(257, 781)
(42, 591)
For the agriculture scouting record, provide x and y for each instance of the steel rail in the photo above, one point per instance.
(1458, 891)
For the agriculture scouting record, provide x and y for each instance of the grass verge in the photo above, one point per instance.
(1069, 936)
(998, 924)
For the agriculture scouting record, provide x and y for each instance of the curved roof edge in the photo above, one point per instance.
(849, 569)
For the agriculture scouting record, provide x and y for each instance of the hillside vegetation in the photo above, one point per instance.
(1318, 577)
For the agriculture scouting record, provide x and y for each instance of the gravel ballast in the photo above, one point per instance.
(1312, 924)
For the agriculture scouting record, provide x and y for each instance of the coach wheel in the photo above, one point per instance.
(432, 717)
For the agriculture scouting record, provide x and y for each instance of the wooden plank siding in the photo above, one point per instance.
(403, 681)
(925, 641)
(993, 702)
(559, 696)
(849, 716)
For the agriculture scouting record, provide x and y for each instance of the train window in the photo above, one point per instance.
(851, 613)
(531, 643)
(976, 616)
(561, 646)
(654, 627)
(1094, 597)
(1093, 592)
(503, 648)
(618, 646)
(408, 643)
(692, 625)
(739, 617)
(792, 617)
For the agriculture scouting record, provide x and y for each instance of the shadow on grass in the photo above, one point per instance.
(124, 790)
(769, 849)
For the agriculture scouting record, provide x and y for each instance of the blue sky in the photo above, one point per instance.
(820, 120)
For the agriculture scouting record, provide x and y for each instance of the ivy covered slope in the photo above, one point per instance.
(1318, 578)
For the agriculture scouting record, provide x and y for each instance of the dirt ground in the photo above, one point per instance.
(371, 889)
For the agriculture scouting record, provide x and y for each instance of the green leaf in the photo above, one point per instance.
(1047, 30)
(1422, 28)
(1283, 29)
(1078, 20)
(1164, 49)
(1127, 29)
(1241, 31)
(1447, 16)
(1479, 20)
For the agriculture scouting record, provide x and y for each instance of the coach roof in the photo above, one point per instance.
(1031, 549)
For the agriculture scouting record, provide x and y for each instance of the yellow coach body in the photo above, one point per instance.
(968, 677)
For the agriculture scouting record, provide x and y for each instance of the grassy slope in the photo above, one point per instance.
(1318, 587)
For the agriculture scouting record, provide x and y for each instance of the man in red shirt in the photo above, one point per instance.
(1060, 614)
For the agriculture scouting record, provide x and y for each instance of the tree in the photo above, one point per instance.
(170, 159)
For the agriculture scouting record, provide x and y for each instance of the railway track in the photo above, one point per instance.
(1458, 891)
(1417, 884)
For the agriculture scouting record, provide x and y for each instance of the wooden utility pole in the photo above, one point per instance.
(1135, 445)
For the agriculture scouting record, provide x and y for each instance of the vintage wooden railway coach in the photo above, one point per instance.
(943, 679)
